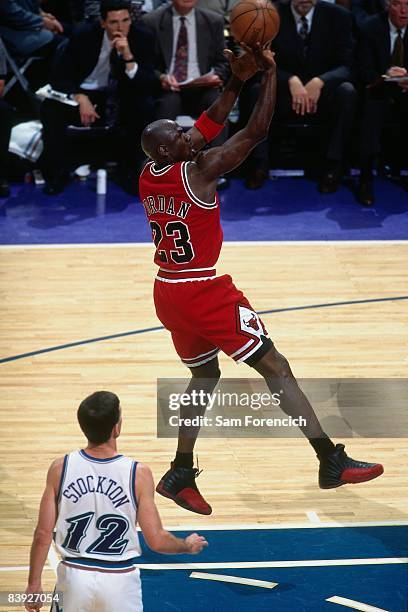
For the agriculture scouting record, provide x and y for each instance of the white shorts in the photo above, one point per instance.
(93, 591)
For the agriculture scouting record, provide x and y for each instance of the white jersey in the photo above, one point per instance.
(97, 512)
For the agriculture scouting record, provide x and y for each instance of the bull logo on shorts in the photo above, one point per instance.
(252, 322)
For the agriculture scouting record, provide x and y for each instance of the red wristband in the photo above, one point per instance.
(207, 127)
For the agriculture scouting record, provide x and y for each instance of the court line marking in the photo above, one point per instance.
(240, 243)
(356, 605)
(313, 516)
(22, 568)
(160, 327)
(234, 579)
(266, 564)
(255, 564)
(268, 526)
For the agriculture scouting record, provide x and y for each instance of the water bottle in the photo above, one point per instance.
(101, 182)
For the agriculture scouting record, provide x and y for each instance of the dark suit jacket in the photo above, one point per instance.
(330, 46)
(375, 48)
(210, 40)
(80, 57)
(20, 26)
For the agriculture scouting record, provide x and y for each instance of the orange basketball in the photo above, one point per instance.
(253, 21)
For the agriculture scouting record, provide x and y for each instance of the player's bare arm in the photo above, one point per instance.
(42, 539)
(157, 538)
(211, 164)
(242, 68)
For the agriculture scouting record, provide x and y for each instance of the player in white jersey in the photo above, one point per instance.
(93, 498)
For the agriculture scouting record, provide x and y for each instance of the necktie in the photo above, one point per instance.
(112, 107)
(304, 28)
(181, 57)
(397, 57)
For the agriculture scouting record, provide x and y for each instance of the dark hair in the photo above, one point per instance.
(98, 414)
(113, 5)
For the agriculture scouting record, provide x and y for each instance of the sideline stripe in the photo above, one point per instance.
(356, 605)
(22, 568)
(240, 243)
(159, 328)
(263, 564)
(267, 526)
(234, 579)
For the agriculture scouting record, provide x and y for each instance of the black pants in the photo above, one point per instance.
(6, 123)
(188, 102)
(336, 108)
(388, 102)
(56, 116)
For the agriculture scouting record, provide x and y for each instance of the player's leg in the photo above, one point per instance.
(118, 592)
(179, 483)
(75, 590)
(336, 468)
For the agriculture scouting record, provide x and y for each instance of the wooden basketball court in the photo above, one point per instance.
(56, 296)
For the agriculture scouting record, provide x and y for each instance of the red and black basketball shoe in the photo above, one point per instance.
(338, 469)
(179, 485)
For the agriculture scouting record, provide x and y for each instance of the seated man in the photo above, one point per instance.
(384, 50)
(314, 51)
(26, 30)
(107, 68)
(189, 49)
(6, 116)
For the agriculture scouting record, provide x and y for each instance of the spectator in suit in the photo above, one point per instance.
(107, 68)
(189, 48)
(26, 30)
(6, 121)
(314, 50)
(384, 51)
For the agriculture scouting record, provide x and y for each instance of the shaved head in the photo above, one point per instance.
(158, 133)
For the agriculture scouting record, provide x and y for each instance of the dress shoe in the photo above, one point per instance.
(54, 186)
(330, 181)
(365, 192)
(4, 189)
(255, 178)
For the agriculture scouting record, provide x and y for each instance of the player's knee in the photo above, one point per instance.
(208, 370)
(273, 365)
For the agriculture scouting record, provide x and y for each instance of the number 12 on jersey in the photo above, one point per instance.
(112, 527)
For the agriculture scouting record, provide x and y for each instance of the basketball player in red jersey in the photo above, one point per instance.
(204, 312)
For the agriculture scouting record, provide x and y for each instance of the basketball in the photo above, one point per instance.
(254, 21)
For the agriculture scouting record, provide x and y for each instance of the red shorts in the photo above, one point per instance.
(207, 316)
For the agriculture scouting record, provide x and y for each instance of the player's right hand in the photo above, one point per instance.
(195, 543)
(244, 66)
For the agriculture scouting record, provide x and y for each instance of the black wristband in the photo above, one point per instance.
(130, 61)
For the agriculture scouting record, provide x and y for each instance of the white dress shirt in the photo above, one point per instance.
(298, 18)
(99, 77)
(193, 70)
(394, 35)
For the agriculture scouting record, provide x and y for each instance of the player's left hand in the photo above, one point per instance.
(33, 589)
(120, 43)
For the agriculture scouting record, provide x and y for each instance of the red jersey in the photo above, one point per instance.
(186, 231)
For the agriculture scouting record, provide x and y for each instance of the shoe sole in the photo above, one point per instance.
(180, 502)
(375, 473)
